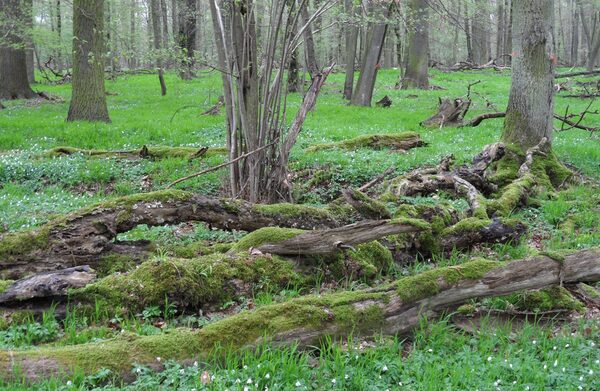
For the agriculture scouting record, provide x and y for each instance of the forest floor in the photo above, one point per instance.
(545, 353)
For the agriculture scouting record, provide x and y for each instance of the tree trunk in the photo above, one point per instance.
(417, 62)
(500, 20)
(175, 21)
(591, 31)
(187, 36)
(351, 43)
(531, 101)
(480, 34)
(14, 38)
(363, 93)
(88, 101)
(393, 309)
(309, 42)
(574, 34)
(165, 23)
(155, 16)
(132, 35)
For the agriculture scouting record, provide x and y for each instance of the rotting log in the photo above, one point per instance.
(323, 242)
(156, 152)
(391, 310)
(450, 113)
(86, 236)
(399, 141)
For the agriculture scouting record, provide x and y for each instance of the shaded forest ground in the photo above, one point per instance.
(34, 187)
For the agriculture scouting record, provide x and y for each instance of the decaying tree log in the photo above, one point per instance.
(480, 118)
(391, 310)
(400, 141)
(582, 73)
(450, 113)
(216, 109)
(144, 152)
(365, 206)
(324, 242)
(384, 102)
(86, 236)
(48, 285)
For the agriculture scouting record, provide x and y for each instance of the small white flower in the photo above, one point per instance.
(249, 381)
(545, 366)
(346, 377)
(592, 344)
(138, 370)
(553, 347)
(430, 350)
(579, 388)
(510, 366)
(238, 381)
(266, 388)
(495, 384)
(400, 383)
(298, 384)
(195, 363)
(158, 359)
(333, 381)
(591, 372)
(515, 382)
(267, 376)
(385, 368)
(246, 388)
(534, 341)
(489, 358)
(193, 389)
(258, 366)
(69, 383)
(597, 361)
(564, 369)
(567, 345)
(555, 363)
(245, 366)
(580, 378)
(181, 371)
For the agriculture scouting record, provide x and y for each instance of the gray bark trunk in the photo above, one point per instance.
(155, 16)
(417, 62)
(351, 43)
(531, 101)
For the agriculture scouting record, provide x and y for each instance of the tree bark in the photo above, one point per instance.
(531, 101)
(393, 309)
(309, 41)
(88, 101)
(591, 32)
(155, 16)
(351, 43)
(187, 36)
(15, 16)
(417, 62)
(479, 33)
(132, 35)
(363, 93)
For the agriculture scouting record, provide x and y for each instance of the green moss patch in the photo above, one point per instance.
(467, 225)
(548, 299)
(190, 283)
(265, 235)
(287, 210)
(4, 284)
(376, 141)
(156, 152)
(428, 283)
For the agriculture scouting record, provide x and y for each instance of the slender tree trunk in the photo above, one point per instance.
(187, 36)
(370, 64)
(479, 33)
(351, 42)
(175, 21)
(165, 23)
(309, 42)
(574, 34)
(591, 31)
(14, 81)
(58, 61)
(417, 64)
(531, 101)
(468, 35)
(88, 100)
(132, 33)
(155, 16)
(500, 20)
(509, 22)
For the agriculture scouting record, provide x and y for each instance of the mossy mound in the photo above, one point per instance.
(287, 210)
(365, 262)
(265, 235)
(17, 244)
(4, 284)
(548, 299)
(198, 249)
(376, 141)
(189, 283)
(428, 283)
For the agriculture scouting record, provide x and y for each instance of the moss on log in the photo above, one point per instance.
(152, 152)
(392, 309)
(399, 141)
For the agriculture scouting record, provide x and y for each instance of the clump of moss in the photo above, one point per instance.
(4, 284)
(428, 283)
(115, 263)
(191, 283)
(589, 290)
(466, 225)
(287, 210)
(197, 249)
(157, 152)
(548, 299)
(376, 141)
(417, 223)
(265, 235)
(512, 195)
(466, 309)
(17, 244)
(369, 207)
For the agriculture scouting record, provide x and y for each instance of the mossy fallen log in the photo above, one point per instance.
(151, 152)
(87, 236)
(399, 141)
(392, 309)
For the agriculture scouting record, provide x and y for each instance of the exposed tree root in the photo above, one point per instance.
(401, 142)
(392, 309)
(145, 152)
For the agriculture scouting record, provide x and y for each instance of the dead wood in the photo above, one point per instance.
(379, 178)
(48, 285)
(367, 207)
(450, 113)
(582, 73)
(307, 321)
(384, 102)
(146, 152)
(324, 242)
(480, 118)
(87, 236)
(216, 109)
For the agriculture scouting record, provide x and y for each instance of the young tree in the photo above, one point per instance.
(416, 74)
(531, 102)
(591, 31)
(155, 16)
(15, 18)
(88, 99)
(351, 43)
